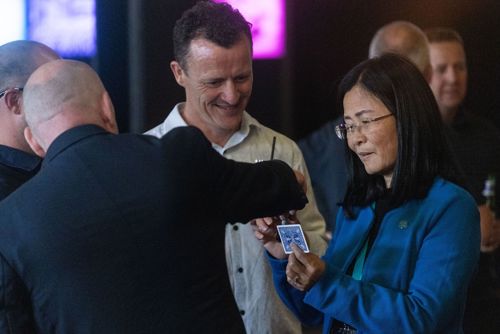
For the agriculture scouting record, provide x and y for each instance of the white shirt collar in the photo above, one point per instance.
(174, 119)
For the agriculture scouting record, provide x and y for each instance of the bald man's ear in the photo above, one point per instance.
(108, 114)
(13, 101)
(178, 72)
(33, 143)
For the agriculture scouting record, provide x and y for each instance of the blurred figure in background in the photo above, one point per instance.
(476, 144)
(405, 39)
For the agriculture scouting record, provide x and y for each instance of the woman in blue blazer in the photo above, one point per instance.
(407, 237)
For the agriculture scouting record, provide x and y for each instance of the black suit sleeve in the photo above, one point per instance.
(239, 191)
(16, 314)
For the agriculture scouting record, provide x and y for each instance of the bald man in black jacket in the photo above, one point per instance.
(125, 233)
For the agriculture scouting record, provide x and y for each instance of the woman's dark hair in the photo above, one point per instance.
(423, 149)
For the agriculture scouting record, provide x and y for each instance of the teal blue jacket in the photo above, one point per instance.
(415, 277)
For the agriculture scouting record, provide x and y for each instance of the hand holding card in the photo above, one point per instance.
(292, 234)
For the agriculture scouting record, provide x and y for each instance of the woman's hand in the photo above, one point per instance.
(266, 231)
(303, 269)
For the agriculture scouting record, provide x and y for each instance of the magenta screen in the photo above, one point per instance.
(67, 26)
(268, 25)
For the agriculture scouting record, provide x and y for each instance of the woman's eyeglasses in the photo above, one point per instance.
(342, 130)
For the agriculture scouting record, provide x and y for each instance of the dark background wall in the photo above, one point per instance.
(296, 94)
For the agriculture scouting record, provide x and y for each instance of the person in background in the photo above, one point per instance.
(476, 144)
(324, 153)
(18, 59)
(213, 63)
(407, 237)
(18, 164)
(124, 233)
(406, 39)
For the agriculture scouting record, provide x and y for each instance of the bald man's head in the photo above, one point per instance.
(63, 94)
(19, 59)
(405, 39)
(63, 85)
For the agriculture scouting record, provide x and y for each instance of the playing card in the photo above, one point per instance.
(292, 233)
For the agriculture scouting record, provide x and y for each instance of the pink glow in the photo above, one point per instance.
(268, 25)
(67, 26)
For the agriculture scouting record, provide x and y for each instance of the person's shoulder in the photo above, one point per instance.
(184, 137)
(184, 131)
(325, 133)
(25, 197)
(172, 120)
(322, 139)
(450, 205)
(443, 191)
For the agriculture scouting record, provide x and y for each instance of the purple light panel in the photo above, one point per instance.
(67, 26)
(268, 25)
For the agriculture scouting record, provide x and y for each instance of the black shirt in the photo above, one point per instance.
(16, 167)
(475, 141)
